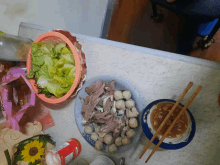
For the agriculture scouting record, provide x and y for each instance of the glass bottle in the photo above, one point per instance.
(14, 48)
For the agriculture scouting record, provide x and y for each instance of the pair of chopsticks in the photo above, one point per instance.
(174, 122)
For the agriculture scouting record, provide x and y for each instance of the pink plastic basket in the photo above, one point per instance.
(55, 37)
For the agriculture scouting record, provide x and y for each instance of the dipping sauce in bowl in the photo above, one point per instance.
(158, 115)
(156, 112)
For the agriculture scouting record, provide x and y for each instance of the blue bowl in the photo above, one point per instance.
(120, 83)
(166, 145)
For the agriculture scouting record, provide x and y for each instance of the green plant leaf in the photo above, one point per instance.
(35, 163)
(41, 139)
(45, 91)
(17, 154)
(48, 138)
(8, 158)
(20, 146)
(19, 157)
(14, 163)
(30, 163)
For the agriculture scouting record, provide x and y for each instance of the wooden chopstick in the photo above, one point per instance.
(167, 117)
(176, 119)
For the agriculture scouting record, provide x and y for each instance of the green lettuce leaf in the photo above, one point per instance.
(61, 80)
(65, 50)
(52, 87)
(48, 60)
(60, 63)
(53, 68)
(72, 72)
(37, 58)
(43, 71)
(69, 58)
(47, 49)
(45, 91)
(58, 47)
(52, 71)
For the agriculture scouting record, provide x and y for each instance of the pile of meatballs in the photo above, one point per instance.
(124, 107)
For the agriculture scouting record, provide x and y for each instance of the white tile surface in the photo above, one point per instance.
(154, 78)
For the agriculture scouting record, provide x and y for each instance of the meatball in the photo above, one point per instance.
(88, 129)
(108, 139)
(118, 141)
(118, 95)
(130, 103)
(132, 112)
(112, 148)
(126, 95)
(120, 104)
(94, 136)
(133, 123)
(125, 140)
(130, 133)
(98, 145)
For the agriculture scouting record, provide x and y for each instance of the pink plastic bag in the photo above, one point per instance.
(12, 75)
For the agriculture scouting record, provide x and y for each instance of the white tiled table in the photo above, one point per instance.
(155, 75)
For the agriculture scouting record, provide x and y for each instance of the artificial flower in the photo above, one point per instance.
(33, 151)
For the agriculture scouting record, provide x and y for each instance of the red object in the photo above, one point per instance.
(73, 149)
(65, 153)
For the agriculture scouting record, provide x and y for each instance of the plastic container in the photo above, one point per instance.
(14, 48)
(56, 37)
(64, 154)
(102, 160)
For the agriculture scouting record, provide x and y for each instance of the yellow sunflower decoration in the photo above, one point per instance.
(33, 151)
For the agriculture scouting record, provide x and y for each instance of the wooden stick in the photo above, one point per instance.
(174, 122)
(166, 118)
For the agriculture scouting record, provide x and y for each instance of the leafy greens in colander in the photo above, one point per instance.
(53, 68)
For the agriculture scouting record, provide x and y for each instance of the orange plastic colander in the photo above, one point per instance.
(56, 37)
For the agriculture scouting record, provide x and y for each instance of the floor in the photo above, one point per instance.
(131, 23)
(212, 53)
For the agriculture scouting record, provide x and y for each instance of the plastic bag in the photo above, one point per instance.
(13, 107)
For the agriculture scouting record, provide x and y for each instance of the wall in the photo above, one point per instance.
(78, 16)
